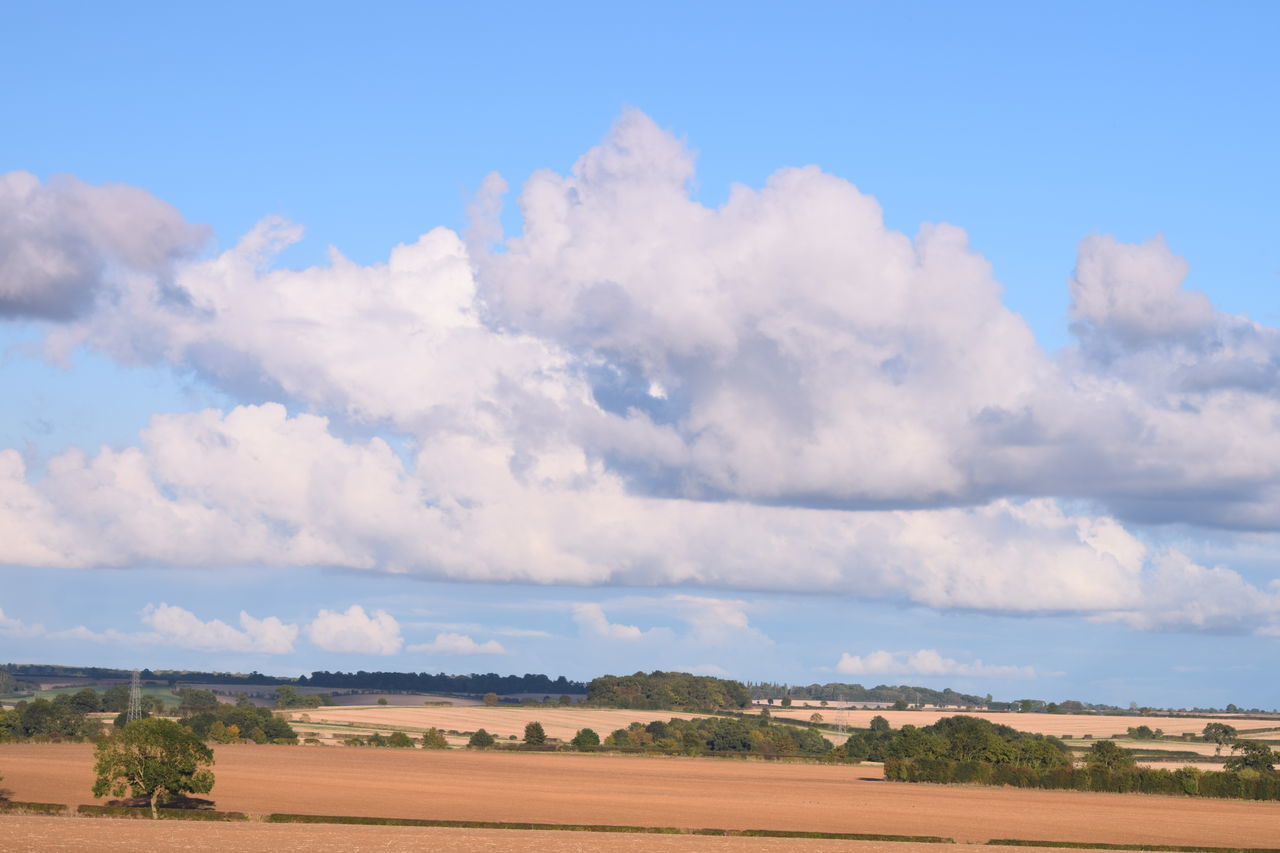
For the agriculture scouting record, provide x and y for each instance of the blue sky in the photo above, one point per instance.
(667, 399)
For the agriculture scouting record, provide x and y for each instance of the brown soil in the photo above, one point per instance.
(71, 835)
(560, 788)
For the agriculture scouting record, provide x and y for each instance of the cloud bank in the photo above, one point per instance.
(780, 393)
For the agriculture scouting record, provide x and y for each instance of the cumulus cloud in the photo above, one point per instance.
(778, 393)
(181, 627)
(924, 662)
(60, 241)
(448, 643)
(356, 632)
(592, 620)
(1180, 595)
(16, 628)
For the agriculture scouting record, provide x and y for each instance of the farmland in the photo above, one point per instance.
(1076, 725)
(500, 721)
(61, 835)
(679, 792)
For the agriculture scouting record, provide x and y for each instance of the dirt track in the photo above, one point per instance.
(557, 788)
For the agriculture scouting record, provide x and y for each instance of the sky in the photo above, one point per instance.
(884, 343)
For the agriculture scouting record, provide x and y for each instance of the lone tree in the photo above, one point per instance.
(534, 735)
(1107, 756)
(1253, 754)
(152, 758)
(585, 737)
(1219, 734)
(433, 738)
(491, 698)
(481, 739)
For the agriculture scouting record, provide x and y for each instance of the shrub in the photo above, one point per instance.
(481, 739)
(534, 735)
(585, 738)
(433, 738)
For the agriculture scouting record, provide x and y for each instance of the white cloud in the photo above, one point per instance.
(448, 643)
(356, 632)
(1181, 595)
(177, 626)
(16, 628)
(592, 620)
(60, 240)
(925, 662)
(780, 393)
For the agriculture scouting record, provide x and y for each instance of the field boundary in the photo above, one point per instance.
(575, 827)
(139, 813)
(1098, 845)
(18, 807)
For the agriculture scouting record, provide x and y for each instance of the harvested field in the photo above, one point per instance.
(499, 721)
(679, 792)
(1046, 724)
(72, 835)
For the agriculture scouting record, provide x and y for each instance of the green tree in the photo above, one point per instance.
(565, 699)
(481, 739)
(286, 696)
(786, 701)
(1105, 755)
(585, 737)
(433, 738)
(86, 701)
(400, 740)
(533, 734)
(815, 717)
(382, 700)
(1219, 734)
(491, 698)
(221, 733)
(900, 705)
(116, 698)
(1254, 755)
(152, 758)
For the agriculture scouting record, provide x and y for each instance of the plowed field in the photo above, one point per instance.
(573, 789)
(69, 835)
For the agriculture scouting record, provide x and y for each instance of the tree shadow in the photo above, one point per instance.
(186, 803)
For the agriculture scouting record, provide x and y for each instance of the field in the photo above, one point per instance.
(500, 721)
(63, 835)
(680, 792)
(1050, 724)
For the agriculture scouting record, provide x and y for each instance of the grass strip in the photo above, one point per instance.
(577, 827)
(1095, 845)
(166, 814)
(16, 807)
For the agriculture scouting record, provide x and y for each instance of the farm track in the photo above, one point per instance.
(576, 789)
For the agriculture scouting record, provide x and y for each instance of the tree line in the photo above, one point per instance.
(976, 751)
(667, 691)
(425, 682)
(839, 692)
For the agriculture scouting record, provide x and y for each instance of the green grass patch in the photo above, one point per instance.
(1094, 845)
(165, 814)
(15, 807)
(580, 827)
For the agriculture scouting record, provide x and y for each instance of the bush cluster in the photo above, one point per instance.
(759, 736)
(1185, 781)
(667, 691)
